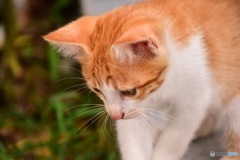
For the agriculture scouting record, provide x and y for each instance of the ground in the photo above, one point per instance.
(200, 149)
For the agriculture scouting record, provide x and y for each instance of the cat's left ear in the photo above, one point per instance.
(140, 40)
(73, 40)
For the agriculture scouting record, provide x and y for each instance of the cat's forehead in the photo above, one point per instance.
(104, 34)
(102, 71)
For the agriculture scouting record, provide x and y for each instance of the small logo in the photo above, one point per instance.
(212, 154)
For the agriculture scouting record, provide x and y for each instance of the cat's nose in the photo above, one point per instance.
(116, 115)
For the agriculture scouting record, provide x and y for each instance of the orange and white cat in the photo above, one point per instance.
(165, 63)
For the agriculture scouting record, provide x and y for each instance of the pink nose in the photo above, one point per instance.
(117, 116)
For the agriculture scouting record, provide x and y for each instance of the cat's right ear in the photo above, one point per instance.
(139, 41)
(73, 40)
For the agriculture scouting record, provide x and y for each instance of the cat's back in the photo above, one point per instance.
(220, 21)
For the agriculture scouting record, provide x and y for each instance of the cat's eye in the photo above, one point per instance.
(97, 90)
(129, 92)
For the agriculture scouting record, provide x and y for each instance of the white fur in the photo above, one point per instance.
(123, 52)
(67, 49)
(185, 95)
(188, 89)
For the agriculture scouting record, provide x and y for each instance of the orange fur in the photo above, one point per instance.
(133, 23)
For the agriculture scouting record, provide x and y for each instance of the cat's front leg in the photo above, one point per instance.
(175, 139)
(135, 140)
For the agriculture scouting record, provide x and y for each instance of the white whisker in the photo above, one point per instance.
(163, 113)
(106, 129)
(96, 106)
(68, 67)
(157, 123)
(85, 89)
(87, 95)
(95, 110)
(101, 119)
(112, 126)
(150, 127)
(68, 78)
(160, 116)
(69, 88)
(88, 121)
(102, 135)
(93, 106)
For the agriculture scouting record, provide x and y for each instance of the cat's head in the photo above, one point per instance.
(123, 61)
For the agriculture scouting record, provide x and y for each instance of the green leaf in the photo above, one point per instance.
(53, 60)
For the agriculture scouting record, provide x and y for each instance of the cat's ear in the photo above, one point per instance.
(139, 40)
(73, 40)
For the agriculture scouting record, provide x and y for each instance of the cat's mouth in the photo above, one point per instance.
(128, 115)
(122, 116)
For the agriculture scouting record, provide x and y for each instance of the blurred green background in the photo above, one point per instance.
(46, 111)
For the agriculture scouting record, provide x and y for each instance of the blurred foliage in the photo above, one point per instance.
(43, 104)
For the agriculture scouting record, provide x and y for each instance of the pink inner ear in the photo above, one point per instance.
(145, 48)
(139, 40)
(137, 51)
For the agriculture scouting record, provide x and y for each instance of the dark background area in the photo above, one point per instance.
(45, 107)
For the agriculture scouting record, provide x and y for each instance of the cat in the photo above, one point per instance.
(162, 69)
